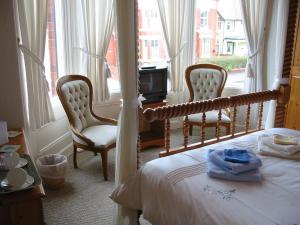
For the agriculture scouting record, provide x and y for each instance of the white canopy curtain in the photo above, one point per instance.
(98, 21)
(126, 155)
(173, 15)
(277, 38)
(32, 18)
(254, 14)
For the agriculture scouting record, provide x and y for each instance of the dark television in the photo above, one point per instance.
(153, 83)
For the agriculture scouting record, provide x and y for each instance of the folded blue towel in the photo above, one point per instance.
(216, 172)
(236, 155)
(217, 157)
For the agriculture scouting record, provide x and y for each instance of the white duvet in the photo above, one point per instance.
(175, 190)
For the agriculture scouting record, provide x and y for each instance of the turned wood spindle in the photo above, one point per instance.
(203, 124)
(185, 131)
(233, 121)
(167, 133)
(260, 115)
(248, 117)
(218, 129)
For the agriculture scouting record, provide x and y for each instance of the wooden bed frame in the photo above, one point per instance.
(233, 102)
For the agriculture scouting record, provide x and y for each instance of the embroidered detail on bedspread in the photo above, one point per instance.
(185, 172)
(225, 194)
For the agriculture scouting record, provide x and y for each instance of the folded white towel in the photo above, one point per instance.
(284, 149)
(266, 146)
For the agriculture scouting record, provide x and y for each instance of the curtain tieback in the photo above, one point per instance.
(278, 81)
(37, 60)
(137, 102)
(177, 53)
(249, 69)
(97, 56)
(89, 53)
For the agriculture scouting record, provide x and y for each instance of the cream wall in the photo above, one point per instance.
(10, 89)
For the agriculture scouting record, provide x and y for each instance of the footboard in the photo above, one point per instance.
(233, 102)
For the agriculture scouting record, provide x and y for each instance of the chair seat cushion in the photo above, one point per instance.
(101, 135)
(211, 117)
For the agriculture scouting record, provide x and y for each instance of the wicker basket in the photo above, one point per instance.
(53, 183)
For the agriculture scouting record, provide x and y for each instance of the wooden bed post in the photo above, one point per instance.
(282, 101)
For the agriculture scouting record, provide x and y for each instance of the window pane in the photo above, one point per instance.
(220, 37)
(152, 48)
(50, 60)
(111, 56)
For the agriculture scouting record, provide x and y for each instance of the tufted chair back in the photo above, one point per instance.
(75, 93)
(205, 81)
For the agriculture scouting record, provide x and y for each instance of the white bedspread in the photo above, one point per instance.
(175, 190)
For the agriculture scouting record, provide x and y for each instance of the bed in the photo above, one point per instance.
(176, 190)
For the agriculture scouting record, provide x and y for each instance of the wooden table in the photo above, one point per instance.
(23, 207)
(151, 134)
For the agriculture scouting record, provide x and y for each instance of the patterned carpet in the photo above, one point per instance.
(84, 199)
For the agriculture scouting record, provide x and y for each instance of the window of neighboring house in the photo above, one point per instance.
(152, 47)
(204, 19)
(230, 47)
(206, 47)
(219, 23)
(53, 50)
(149, 18)
(216, 43)
(230, 25)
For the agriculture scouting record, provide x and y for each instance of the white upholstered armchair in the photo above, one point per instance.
(206, 81)
(89, 131)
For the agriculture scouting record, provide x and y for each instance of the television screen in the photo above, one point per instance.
(153, 83)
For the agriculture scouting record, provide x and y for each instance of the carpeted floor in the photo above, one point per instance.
(84, 199)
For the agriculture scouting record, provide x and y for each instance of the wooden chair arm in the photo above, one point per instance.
(82, 137)
(108, 120)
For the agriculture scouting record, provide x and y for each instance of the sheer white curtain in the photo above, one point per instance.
(70, 30)
(126, 155)
(173, 15)
(275, 55)
(32, 18)
(98, 21)
(188, 57)
(254, 14)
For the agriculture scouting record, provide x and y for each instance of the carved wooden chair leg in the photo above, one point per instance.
(104, 163)
(190, 129)
(75, 156)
